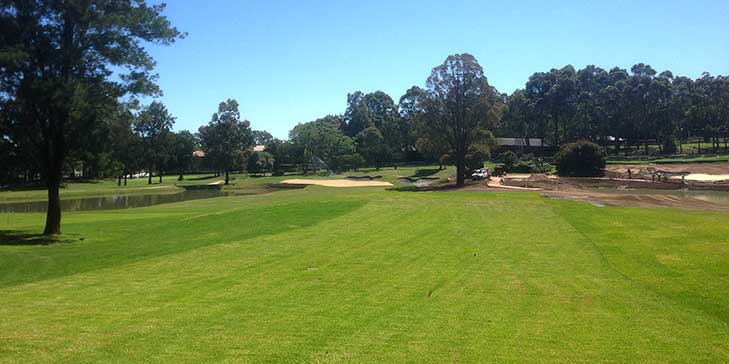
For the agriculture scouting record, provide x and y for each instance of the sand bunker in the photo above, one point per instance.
(336, 183)
(705, 177)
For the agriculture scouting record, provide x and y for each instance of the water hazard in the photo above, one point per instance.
(113, 202)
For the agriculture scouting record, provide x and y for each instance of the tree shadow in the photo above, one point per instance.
(425, 172)
(199, 178)
(23, 238)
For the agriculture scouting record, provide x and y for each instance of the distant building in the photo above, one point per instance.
(198, 154)
(521, 142)
(259, 148)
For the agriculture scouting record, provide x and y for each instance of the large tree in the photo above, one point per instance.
(64, 65)
(460, 106)
(225, 136)
(153, 124)
(181, 149)
(126, 145)
(322, 139)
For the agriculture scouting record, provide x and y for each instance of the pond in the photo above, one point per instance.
(112, 202)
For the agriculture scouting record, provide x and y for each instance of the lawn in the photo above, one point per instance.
(365, 275)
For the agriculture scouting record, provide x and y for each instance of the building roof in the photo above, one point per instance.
(520, 142)
(259, 148)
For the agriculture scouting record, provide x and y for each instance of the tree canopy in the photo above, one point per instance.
(64, 65)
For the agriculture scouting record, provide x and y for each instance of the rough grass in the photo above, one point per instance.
(367, 276)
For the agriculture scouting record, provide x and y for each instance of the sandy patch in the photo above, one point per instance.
(159, 187)
(336, 183)
(705, 177)
(216, 183)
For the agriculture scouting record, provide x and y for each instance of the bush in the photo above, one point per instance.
(530, 166)
(527, 163)
(509, 159)
(580, 159)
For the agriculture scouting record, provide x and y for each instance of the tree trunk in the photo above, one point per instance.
(160, 177)
(53, 215)
(118, 180)
(125, 178)
(180, 177)
(227, 177)
(149, 175)
(460, 168)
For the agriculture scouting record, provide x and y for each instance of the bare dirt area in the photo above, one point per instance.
(612, 191)
(703, 168)
(336, 183)
(639, 200)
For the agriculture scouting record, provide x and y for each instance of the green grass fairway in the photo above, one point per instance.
(324, 275)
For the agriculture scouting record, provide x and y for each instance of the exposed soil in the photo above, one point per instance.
(605, 191)
(710, 171)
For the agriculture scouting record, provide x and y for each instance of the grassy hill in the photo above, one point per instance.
(326, 275)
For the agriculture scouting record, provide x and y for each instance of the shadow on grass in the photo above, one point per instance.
(423, 172)
(199, 178)
(22, 238)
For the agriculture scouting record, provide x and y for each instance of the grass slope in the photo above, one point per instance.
(366, 276)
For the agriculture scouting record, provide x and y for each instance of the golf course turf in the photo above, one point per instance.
(364, 275)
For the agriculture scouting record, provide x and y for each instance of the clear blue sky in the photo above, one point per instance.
(294, 61)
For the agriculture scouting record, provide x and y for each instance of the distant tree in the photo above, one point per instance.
(358, 115)
(260, 162)
(261, 137)
(322, 139)
(283, 152)
(460, 106)
(126, 145)
(225, 136)
(153, 124)
(182, 146)
(517, 119)
(55, 60)
(371, 145)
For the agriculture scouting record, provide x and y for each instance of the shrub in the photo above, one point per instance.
(580, 159)
(509, 159)
(530, 166)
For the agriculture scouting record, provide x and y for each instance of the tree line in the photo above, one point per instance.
(72, 73)
(619, 109)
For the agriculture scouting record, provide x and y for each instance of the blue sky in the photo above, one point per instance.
(294, 61)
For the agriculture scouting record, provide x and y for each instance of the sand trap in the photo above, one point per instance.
(216, 183)
(336, 183)
(705, 177)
